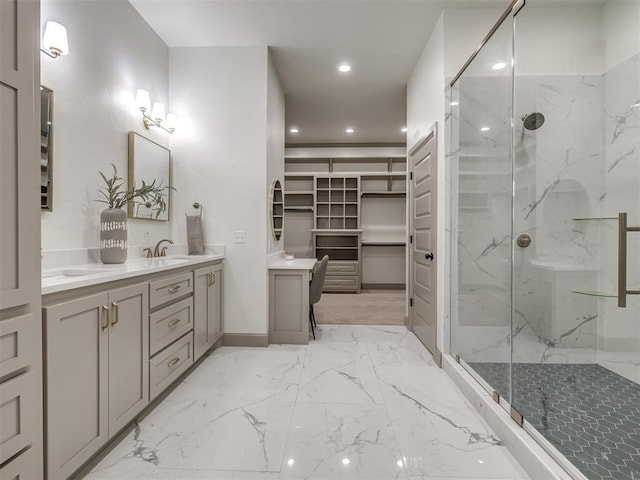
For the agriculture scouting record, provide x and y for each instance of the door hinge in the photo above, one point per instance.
(411, 302)
(517, 416)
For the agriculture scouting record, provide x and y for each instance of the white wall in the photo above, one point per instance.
(454, 38)
(113, 52)
(220, 161)
(275, 144)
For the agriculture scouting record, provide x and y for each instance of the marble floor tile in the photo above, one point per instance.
(439, 433)
(361, 402)
(341, 441)
(353, 381)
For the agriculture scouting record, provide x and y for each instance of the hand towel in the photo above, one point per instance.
(195, 240)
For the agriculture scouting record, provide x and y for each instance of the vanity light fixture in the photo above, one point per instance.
(55, 41)
(155, 117)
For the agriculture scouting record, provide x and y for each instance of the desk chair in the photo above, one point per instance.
(315, 289)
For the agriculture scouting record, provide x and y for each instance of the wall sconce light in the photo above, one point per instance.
(55, 41)
(154, 117)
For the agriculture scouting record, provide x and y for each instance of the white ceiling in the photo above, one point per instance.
(381, 39)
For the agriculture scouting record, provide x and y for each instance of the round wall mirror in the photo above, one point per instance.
(277, 209)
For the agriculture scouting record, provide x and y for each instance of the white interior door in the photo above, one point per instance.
(423, 161)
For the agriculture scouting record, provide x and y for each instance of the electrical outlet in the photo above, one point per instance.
(239, 237)
(147, 237)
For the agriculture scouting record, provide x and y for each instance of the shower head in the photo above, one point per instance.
(533, 121)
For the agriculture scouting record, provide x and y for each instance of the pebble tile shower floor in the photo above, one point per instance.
(587, 412)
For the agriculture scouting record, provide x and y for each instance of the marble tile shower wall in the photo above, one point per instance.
(573, 167)
(619, 330)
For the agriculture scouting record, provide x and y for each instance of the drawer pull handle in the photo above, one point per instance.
(173, 362)
(105, 317)
(116, 311)
(174, 289)
(174, 322)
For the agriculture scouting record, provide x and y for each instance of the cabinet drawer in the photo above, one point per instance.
(342, 268)
(24, 466)
(19, 400)
(17, 343)
(165, 367)
(342, 282)
(169, 324)
(170, 288)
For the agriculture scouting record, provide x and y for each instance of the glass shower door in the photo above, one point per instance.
(576, 157)
(480, 156)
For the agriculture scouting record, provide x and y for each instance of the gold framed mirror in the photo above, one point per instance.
(148, 162)
(46, 149)
(276, 203)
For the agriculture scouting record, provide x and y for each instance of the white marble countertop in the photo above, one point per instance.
(76, 276)
(294, 264)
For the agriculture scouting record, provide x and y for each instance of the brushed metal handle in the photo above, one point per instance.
(623, 230)
(174, 322)
(105, 317)
(174, 289)
(173, 362)
(428, 256)
(213, 279)
(116, 311)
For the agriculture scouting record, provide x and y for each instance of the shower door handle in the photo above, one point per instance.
(623, 230)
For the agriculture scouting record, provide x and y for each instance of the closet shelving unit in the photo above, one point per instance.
(352, 208)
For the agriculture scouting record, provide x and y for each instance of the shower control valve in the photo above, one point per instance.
(523, 240)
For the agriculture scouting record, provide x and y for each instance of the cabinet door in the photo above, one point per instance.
(77, 339)
(215, 304)
(128, 355)
(201, 286)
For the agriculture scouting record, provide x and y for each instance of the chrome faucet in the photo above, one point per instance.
(161, 253)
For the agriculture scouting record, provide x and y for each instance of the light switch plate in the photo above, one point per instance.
(239, 237)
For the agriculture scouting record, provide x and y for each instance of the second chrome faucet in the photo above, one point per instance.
(157, 252)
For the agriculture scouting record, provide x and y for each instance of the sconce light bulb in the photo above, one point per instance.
(143, 100)
(55, 39)
(158, 112)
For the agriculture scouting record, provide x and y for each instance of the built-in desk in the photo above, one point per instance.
(289, 300)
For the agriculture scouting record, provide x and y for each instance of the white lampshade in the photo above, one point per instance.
(158, 112)
(143, 100)
(55, 38)
(170, 122)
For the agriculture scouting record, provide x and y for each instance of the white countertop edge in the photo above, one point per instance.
(54, 281)
(294, 264)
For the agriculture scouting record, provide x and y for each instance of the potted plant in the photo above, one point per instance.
(113, 220)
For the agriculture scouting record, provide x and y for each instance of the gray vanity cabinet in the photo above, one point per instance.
(97, 375)
(207, 297)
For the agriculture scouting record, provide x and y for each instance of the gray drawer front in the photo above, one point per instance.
(342, 268)
(341, 282)
(170, 288)
(169, 324)
(165, 367)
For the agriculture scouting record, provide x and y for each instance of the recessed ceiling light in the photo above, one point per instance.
(346, 461)
(454, 103)
(485, 129)
(294, 130)
(499, 66)
(349, 130)
(403, 129)
(344, 68)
